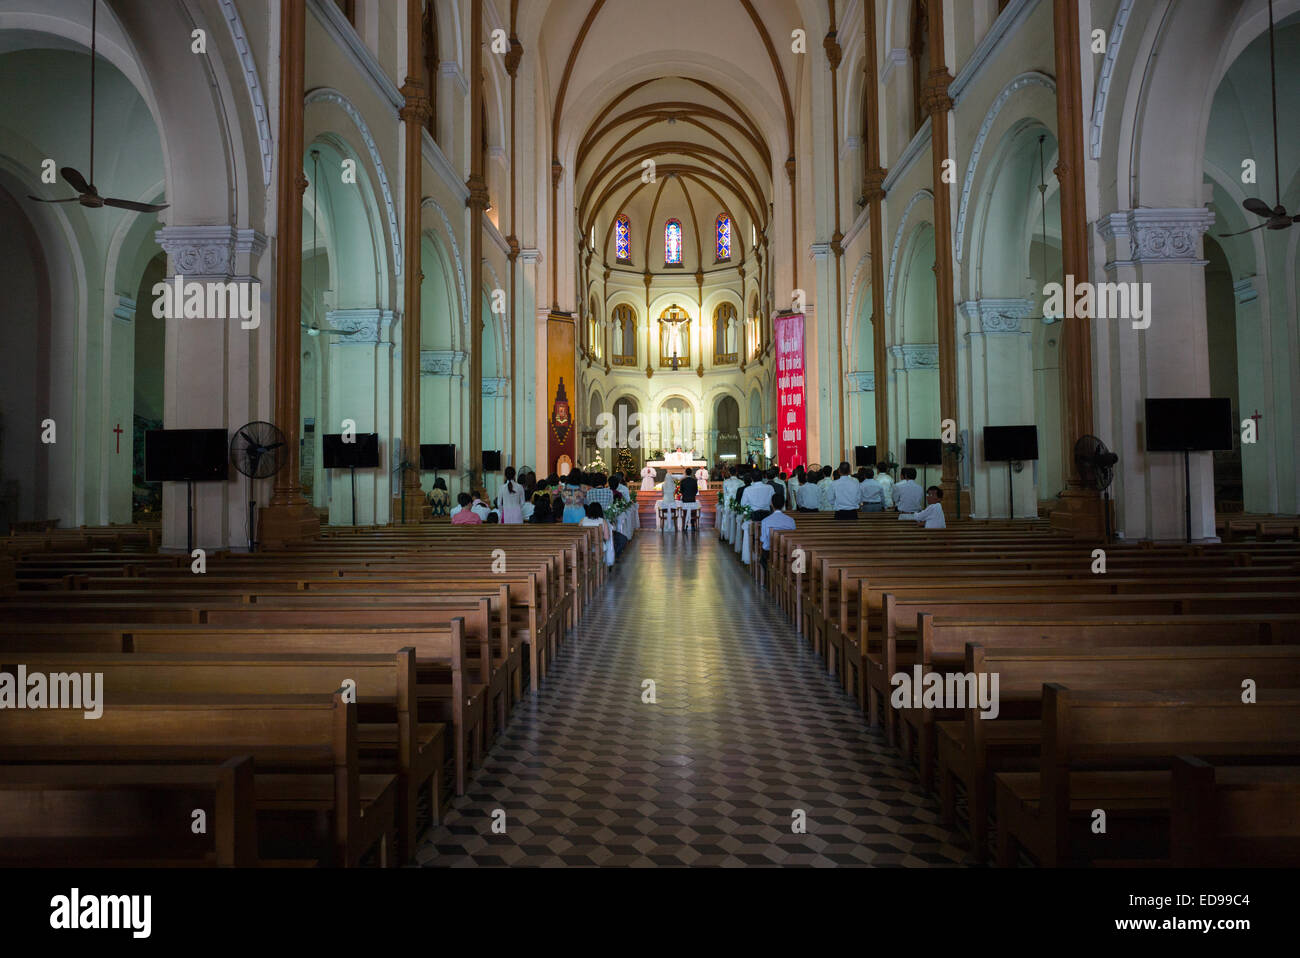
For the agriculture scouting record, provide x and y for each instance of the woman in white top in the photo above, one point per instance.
(511, 499)
(647, 479)
(596, 519)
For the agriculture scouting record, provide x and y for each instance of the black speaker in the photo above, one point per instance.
(491, 460)
(864, 456)
(362, 453)
(186, 455)
(1010, 443)
(923, 452)
(437, 458)
(1195, 425)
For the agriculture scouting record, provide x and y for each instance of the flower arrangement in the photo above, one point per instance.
(596, 465)
(617, 508)
(744, 513)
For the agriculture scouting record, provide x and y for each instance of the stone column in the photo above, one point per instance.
(937, 104)
(1169, 358)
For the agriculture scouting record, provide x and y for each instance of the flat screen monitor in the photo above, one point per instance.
(1010, 443)
(1195, 425)
(864, 456)
(361, 453)
(437, 457)
(491, 460)
(924, 452)
(186, 455)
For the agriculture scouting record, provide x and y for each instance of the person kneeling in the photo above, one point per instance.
(931, 517)
(466, 516)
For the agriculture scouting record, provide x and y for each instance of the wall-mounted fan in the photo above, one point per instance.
(1096, 466)
(258, 451)
(87, 195)
(1277, 217)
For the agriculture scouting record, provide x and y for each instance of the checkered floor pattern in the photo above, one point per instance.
(749, 754)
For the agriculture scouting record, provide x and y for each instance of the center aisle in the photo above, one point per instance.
(746, 729)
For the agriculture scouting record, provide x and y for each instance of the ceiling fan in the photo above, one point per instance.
(87, 195)
(1278, 217)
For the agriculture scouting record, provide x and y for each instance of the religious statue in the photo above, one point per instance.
(675, 427)
(647, 479)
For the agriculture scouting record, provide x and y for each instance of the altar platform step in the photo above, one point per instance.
(708, 498)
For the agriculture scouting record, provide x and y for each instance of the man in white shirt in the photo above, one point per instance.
(758, 497)
(847, 493)
(931, 517)
(908, 495)
(480, 509)
(808, 498)
(827, 493)
(873, 493)
(777, 520)
(886, 484)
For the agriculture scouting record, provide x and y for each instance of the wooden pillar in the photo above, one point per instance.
(289, 517)
(1080, 508)
(513, 59)
(833, 55)
(873, 188)
(415, 114)
(477, 203)
(938, 104)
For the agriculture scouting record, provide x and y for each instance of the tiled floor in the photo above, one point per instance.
(746, 733)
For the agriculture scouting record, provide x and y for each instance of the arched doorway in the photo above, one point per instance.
(726, 422)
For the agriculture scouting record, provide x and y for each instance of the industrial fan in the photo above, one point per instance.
(1096, 467)
(87, 195)
(258, 451)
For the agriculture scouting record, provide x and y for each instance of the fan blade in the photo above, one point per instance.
(76, 180)
(274, 445)
(243, 435)
(1279, 223)
(1243, 232)
(138, 207)
(37, 199)
(1258, 207)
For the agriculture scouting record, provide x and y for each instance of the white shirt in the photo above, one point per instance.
(455, 509)
(887, 484)
(809, 496)
(528, 510)
(480, 509)
(777, 520)
(908, 496)
(758, 497)
(847, 494)
(931, 515)
(872, 491)
(827, 502)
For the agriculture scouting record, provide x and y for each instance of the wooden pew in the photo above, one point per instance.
(309, 741)
(1234, 816)
(1113, 750)
(59, 816)
(971, 749)
(390, 739)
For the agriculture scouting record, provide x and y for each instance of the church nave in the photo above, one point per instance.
(746, 729)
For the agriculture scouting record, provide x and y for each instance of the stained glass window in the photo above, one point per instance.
(623, 239)
(673, 243)
(724, 237)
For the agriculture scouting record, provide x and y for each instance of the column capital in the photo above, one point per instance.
(514, 55)
(418, 107)
(834, 53)
(1245, 291)
(934, 93)
(1001, 316)
(211, 251)
(1147, 236)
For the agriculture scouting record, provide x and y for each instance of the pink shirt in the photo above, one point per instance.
(466, 517)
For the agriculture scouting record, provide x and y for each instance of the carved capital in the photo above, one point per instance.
(478, 192)
(934, 93)
(513, 242)
(302, 183)
(418, 108)
(837, 244)
(873, 184)
(789, 169)
(557, 171)
(513, 56)
(833, 52)
(699, 277)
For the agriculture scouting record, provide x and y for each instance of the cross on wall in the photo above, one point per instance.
(118, 429)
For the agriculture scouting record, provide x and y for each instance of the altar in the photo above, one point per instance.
(678, 461)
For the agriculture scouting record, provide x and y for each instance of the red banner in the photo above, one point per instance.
(790, 419)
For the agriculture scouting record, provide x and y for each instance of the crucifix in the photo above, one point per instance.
(118, 430)
(1257, 417)
(674, 319)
